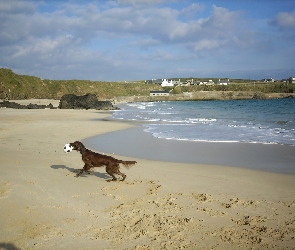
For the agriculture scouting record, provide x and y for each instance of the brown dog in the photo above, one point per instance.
(93, 159)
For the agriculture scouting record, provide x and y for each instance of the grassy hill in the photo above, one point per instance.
(14, 86)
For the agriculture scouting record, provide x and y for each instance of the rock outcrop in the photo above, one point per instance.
(14, 105)
(88, 101)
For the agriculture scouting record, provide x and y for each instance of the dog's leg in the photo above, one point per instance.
(122, 174)
(117, 171)
(109, 170)
(82, 170)
(87, 169)
(90, 172)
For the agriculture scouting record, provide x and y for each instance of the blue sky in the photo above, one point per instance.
(146, 39)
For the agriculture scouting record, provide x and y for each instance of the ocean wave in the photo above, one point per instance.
(217, 121)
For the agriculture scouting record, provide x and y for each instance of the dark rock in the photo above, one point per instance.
(7, 104)
(259, 95)
(14, 105)
(88, 101)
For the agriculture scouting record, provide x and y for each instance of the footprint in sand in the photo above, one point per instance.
(153, 189)
(202, 197)
(234, 202)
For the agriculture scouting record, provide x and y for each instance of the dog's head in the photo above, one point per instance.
(77, 146)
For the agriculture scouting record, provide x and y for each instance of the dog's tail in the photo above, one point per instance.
(127, 164)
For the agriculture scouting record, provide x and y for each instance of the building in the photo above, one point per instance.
(159, 93)
(189, 82)
(292, 80)
(163, 82)
(167, 83)
(175, 82)
(223, 82)
(197, 82)
(210, 82)
(268, 80)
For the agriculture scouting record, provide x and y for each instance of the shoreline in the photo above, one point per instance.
(160, 205)
(141, 144)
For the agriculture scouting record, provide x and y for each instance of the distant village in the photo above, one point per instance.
(174, 83)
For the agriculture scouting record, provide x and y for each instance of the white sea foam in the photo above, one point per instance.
(218, 121)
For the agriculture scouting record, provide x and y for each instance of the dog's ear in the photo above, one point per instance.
(75, 145)
(78, 145)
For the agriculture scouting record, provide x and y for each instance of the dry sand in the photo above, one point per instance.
(161, 205)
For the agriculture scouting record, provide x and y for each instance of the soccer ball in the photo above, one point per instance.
(68, 148)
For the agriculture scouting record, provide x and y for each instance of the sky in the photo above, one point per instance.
(125, 40)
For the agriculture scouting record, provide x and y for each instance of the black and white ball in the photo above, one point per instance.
(68, 148)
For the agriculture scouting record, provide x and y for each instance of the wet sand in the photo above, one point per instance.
(140, 144)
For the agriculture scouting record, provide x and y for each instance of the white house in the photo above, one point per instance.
(163, 82)
(268, 80)
(167, 83)
(210, 82)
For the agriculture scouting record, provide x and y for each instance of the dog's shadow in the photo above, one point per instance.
(73, 170)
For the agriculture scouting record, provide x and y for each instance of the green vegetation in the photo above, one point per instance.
(277, 87)
(14, 86)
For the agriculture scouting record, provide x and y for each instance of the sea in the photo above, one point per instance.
(232, 121)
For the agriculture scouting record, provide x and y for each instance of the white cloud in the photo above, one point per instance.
(284, 20)
(222, 23)
(146, 43)
(141, 2)
(122, 35)
(206, 44)
(191, 10)
(159, 24)
(17, 7)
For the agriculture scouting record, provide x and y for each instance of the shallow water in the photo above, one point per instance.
(251, 121)
(134, 142)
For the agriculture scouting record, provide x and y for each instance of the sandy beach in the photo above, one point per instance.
(160, 205)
